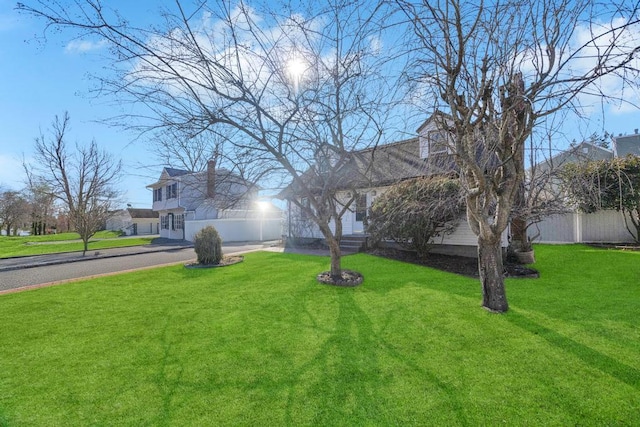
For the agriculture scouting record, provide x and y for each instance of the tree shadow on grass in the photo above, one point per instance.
(610, 366)
(353, 380)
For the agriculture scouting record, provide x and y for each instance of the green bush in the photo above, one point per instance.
(208, 246)
(415, 211)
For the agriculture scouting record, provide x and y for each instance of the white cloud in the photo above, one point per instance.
(81, 46)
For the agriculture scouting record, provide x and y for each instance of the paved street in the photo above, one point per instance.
(33, 271)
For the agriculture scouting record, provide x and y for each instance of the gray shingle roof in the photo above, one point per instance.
(142, 213)
(384, 165)
(176, 172)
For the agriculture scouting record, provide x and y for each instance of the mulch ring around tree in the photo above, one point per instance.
(349, 279)
(225, 262)
(453, 264)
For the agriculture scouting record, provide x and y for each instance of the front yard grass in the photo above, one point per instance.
(13, 246)
(261, 343)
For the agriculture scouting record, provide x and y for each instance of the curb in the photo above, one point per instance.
(85, 258)
(94, 276)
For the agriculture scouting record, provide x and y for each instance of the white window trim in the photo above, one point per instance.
(425, 143)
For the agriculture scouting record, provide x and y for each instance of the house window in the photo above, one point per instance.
(157, 194)
(438, 142)
(361, 207)
(178, 222)
(164, 222)
(434, 142)
(172, 191)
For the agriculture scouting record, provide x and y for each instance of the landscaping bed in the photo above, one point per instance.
(464, 266)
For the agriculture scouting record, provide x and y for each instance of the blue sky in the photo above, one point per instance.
(41, 79)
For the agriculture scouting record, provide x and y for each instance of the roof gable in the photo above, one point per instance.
(173, 173)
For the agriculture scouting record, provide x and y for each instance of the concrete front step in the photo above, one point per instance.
(353, 242)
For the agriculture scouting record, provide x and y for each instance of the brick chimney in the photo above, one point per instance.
(211, 179)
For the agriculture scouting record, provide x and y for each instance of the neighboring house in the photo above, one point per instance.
(624, 145)
(372, 171)
(585, 151)
(134, 221)
(180, 196)
(606, 226)
(545, 173)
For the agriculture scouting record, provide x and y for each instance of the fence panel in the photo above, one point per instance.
(605, 227)
(598, 227)
(556, 229)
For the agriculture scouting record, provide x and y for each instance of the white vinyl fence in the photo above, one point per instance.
(599, 227)
(238, 229)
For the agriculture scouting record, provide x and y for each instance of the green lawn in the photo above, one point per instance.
(64, 242)
(260, 343)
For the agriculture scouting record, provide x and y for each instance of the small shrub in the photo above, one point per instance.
(208, 246)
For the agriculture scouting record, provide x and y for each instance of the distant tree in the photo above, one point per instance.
(84, 179)
(14, 211)
(603, 140)
(415, 211)
(41, 204)
(607, 184)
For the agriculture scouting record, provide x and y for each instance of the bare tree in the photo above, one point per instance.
(499, 68)
(84, 179)
(299, 91)
(41, 202)
(14, 210)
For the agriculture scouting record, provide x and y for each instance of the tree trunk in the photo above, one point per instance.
(336, 256)
(85, 243)
(519, 233)
(494, 297)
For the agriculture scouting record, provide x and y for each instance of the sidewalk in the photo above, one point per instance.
(8, 264)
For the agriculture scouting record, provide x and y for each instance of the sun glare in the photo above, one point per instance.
(296, 68)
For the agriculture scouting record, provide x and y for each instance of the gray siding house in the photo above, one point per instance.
(181, 195)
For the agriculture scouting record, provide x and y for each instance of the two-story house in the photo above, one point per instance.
(181, 195)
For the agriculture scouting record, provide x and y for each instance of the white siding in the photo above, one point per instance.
(145, 226)
(463, 236)
(238, 229)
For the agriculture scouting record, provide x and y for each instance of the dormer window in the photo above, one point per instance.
(438, 142)
(157, 194)
(433, 142)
